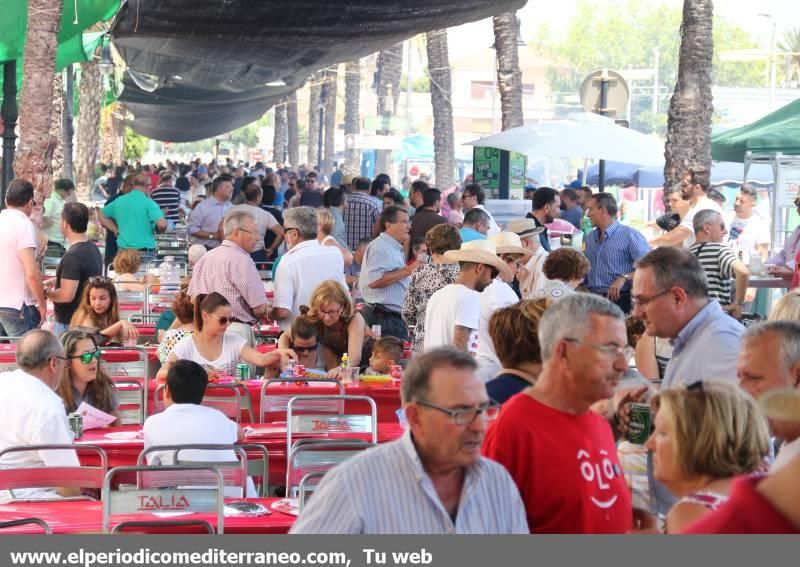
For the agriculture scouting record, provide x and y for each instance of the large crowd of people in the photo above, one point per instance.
(606, 387)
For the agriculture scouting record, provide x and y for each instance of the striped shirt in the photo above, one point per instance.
(230, 271)
(168, 200)
(613, 256)
(360, 217)
(386, 490)
(717, 261)
(384, 254)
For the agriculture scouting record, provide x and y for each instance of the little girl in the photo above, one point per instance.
(99, 310)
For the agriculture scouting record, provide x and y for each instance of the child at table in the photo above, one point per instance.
(387, 352)
(99, 311)
(126, 265)
(185, 421)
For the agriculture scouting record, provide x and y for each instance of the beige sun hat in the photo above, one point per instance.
(524, 227)
(479, 252)
(509, 243)
(781, 405)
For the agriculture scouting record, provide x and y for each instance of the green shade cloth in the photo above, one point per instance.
(776, 132)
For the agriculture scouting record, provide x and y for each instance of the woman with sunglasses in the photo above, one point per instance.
(214, 349)
(99, 311)
(84, 379)
(302, 339)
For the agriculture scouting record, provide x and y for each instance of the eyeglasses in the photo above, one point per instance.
(331, 313)
(222, 320)
(64, 358)
(611, 351)
(303, 349)
(644, 301)
(87, 357)
(695, 387)
(466, 416)
(247, 231)
(494, 272)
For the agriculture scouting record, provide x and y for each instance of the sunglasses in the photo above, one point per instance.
(87, 357)
(303, 349)
(222, 320)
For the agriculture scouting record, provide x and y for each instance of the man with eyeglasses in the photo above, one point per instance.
(432, 480)
(560, 453)
(33, 414)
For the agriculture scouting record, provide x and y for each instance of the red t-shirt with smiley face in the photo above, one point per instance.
(565, 467)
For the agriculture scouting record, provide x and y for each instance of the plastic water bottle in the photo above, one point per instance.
(169, 274)
(288, 372)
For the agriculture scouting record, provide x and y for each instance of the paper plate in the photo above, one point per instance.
(287, 506)
(124, 435)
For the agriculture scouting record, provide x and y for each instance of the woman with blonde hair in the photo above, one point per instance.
(327, 222)
(787, 307)
(340, 327)
(126, 266)
(705, 435)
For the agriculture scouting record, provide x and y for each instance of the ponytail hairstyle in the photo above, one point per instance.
(303, 327)
(207, 303)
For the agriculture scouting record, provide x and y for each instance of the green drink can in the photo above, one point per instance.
(639, 424)
(242, 372)
(76, 424)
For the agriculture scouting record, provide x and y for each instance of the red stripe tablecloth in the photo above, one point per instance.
(73, 517)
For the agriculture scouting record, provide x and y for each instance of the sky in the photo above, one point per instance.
(465, 38)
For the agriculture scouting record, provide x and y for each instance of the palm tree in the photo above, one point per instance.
(112, 126)
(90, 100)
(791, 45)
(443, 137)
(690, 109)
(352, 96)
(293, 138)
(56, 126)
(280, 134)
(35, 150)
(389, 70)
(331, 80)
(313, 119)
(509, 76)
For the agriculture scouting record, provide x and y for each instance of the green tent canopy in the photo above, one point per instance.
(775, 132)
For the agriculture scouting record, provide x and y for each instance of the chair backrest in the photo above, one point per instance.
(158, 301)
(308, 485)
(226, 398)
(131, 400)
(67, 476)
(234, 473)
(163, 527)
(130, 297)
(258, 466)
(318, 457)
(343, 426)
(177, 488)
(274, 403)
(25, 521)
(145, 323)
(136, 365)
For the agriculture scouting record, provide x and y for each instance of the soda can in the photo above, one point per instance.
(299, 371)
(242, 372)
(76, 424)
(396, 372)
(639, 424)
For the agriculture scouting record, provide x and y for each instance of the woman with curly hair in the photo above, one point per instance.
(564, 269)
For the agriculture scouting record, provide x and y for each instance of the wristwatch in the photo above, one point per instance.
(626, 277)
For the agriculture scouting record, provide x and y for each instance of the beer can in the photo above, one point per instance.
(639, 424)
(76, 424)
(242, 372)
(299, 371)
(396, 371)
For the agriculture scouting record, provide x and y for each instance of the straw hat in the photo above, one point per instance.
(347, 179)
(782, 405)
(479, 252)
(524, 227)
(509, 243)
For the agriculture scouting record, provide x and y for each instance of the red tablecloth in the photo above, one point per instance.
(73, 517)
(126, 452)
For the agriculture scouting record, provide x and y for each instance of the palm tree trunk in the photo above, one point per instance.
(443, 137)
(689, 117)
(313, 120)
(36, 145)
(279, 137)
(68, 122)
(390, 70)
(113, 128)
(90, 98)
(331, 80)
(352, 119)
(509, 76)
(57, 126)
(292, 135)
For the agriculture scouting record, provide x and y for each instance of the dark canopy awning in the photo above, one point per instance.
(212, 60)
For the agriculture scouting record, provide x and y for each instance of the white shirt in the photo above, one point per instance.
(703, 203)
(16, 233)
(746, 235)
(531, 277)
(494, 228)
(555, 290)
(498, 295)
(264, 220)
(225, 364)
(786, 454)
(192, 424)
(299, 273)
(386, 490)
(32, 414)
(454, 304)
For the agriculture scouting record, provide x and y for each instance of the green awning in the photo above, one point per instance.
(775, 132)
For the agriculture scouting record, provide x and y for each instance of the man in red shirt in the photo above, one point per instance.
(562, 455)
